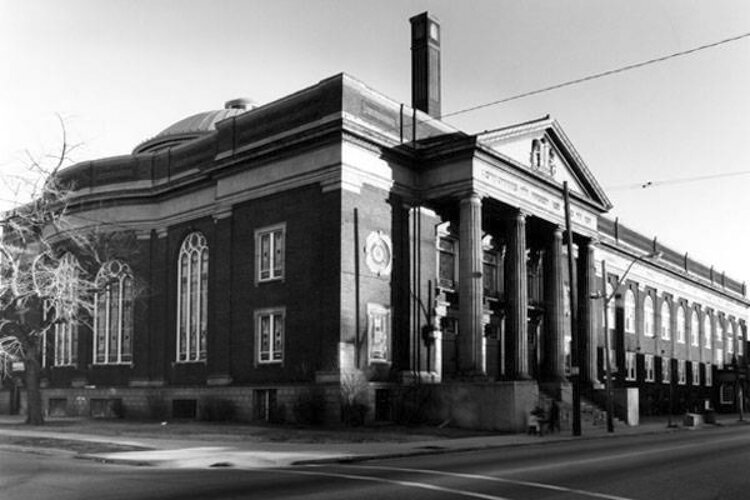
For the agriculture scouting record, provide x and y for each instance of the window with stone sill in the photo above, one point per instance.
(648, 361)
(609, 291)
(490, 272)
(666, 369)
(707, 330)
(666, 321)
(696, 373)
(192, 298)
(65, 334)
(269, 253)
(648, 316)
(680, 324)
(630, 372)
(629, 311)
(694, 328)
(113, 315)
(730, 339)
(447, 262)
(269, 335)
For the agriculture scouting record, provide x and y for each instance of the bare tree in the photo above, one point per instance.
(43, 286)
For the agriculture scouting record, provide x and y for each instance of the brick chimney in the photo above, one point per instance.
(425, 64)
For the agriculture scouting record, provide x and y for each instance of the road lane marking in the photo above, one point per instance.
(495, 479)
(621, 456)
(410, 484)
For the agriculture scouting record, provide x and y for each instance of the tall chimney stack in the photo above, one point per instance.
(425, 64)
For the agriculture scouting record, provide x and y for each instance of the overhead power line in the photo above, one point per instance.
(595, 76)
(677, 180)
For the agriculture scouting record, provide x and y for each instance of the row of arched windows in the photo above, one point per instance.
(113, 324)
(725, 332)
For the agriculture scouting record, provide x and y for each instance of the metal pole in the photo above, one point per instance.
(607, 355)
(576, 341)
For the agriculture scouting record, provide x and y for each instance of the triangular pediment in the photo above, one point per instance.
(542, 149)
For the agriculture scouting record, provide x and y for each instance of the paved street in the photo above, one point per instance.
(706, 464)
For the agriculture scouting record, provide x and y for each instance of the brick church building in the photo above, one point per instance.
(336, 241)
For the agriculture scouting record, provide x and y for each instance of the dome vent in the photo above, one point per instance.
(193, 127)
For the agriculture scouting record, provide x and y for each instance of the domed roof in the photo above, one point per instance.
(192, 127)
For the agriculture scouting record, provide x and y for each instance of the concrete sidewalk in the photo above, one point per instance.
(178, 452)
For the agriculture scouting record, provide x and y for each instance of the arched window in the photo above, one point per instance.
(707, 330)
(192, 298)
(730, 340)
(648, 316)
(694, 328)
(666, 321)
(629, 311)
(113, 316)
(680, 324)
(65, 308)
(740, 340)
(610, 307)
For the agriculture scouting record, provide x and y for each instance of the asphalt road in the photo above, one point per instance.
(710, 464)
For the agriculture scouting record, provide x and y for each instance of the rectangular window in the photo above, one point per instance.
(696, 373)
(666, 368)
(649, 367)
(727, 394)
(490, 272)
(630, 373)
(269, 252)
(269, 335)
(447, 262)
(709, 375)
(681, 375)
(378, 333)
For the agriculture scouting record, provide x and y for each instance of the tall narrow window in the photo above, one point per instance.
(681, 372)
(113, 315)
(65, 309)
(696, 369)
(666, 321)
(630, 373)
(666, 370)
(648, 361)
(192, 302)
(648, 316)
(709, 374)
(490, 260)
(694, 328)
(610, 307)
(707, 330)
(269, 250)
(269, 335)
(680, 324)
(629, 311)
(447, 262)
(730, 341)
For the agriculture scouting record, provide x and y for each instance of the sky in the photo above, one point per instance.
(119, 71)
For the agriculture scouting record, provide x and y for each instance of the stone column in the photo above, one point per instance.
(555, 309)
(470, 286)
(586, 318)
(517, 340)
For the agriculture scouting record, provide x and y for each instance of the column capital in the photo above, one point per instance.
(470, 197)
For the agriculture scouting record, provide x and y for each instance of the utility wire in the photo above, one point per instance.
(674, 181)
(595, 76)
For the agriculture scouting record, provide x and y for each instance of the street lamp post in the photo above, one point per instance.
(607, 350)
